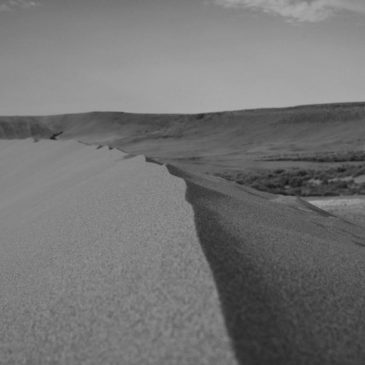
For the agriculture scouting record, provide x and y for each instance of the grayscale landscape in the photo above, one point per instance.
(211, 210)
(123, 243)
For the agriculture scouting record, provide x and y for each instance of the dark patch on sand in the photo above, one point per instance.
(55, 136)
(153, 160)
(277, 308)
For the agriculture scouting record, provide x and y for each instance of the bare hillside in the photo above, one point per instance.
(211, 141)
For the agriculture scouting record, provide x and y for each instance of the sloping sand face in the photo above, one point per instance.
(291, 279)
(351, 208)
(100, 262)
(106, 259)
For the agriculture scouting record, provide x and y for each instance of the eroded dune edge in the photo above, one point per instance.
(278, 282)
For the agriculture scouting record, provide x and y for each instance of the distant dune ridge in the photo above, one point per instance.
(229, 138)
(100, 262)
(110, 259)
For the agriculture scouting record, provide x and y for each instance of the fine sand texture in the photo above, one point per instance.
(351, 208)
(107, 259)
(100, 262)
(290, 276)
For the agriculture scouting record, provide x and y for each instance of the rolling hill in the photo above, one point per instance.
(211, 142)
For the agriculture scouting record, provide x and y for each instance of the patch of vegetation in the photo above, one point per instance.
(345, 156)
(303, 182)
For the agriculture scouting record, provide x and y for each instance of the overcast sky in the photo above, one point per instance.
(59, 56)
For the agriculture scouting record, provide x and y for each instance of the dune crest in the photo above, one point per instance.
(106, 257)
(100, 262)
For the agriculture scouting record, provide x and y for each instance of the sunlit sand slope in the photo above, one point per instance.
(351, 208)
(100, 262)
(106, 259)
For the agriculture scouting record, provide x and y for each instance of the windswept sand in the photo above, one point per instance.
(100, 262)
(351, 208)
(106, 260)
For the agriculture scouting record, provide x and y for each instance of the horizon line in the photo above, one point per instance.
(347, 103)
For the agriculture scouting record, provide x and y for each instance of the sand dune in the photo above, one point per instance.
(107, 259)
(291, 280)
(100, 262)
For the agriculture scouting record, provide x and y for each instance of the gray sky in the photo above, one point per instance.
(59, 56)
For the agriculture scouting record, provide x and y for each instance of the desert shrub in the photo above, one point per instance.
(300, 181)
(295, 181)
(322, 157)
(302, 173)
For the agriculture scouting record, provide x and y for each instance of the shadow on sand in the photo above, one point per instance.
(251, 318)
(273, 313)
